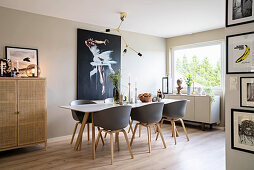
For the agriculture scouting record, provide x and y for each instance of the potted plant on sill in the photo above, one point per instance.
(188, 81)
(115, 77)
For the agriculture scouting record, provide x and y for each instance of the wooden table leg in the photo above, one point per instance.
(93, 139)
(77, 144)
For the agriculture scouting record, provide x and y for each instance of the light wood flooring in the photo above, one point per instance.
(204, 151)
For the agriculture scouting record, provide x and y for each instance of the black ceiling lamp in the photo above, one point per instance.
(123, 15)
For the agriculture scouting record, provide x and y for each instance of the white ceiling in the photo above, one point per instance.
(163, 18)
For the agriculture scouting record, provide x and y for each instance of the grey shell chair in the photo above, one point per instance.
(78, 116)
(148, 115)
(113, 120)
(173, 112)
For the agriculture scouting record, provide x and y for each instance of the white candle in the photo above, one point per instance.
(17, 66)
(2, 68)
(129, 78)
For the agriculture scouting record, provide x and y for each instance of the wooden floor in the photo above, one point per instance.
(204, 151)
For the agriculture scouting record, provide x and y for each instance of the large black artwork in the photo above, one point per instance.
(99, 54)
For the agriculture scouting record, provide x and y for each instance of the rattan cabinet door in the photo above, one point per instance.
(32, 111)
(8, 113)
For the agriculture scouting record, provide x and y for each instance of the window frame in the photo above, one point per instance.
(201, 44)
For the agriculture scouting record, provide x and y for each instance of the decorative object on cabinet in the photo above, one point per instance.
(99, 54)
(21, 58)
(239, 12)
(242, 130)
(247, 91)
(200, 108)
(23, 112)
(5, 68)
(239, 53)
(167, 85)
(123, 15)
(33, 70)
(179, 88)
(115, 78)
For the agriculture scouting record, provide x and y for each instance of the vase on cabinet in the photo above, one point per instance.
(188, 90)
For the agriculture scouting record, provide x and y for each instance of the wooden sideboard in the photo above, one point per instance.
(23, 112)
(200, 108)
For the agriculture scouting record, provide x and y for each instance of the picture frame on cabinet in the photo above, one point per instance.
(242, 128)
(239, 12)
(247, 92)
(21, 58)
(240, 53)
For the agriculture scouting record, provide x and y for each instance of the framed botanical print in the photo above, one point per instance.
(240, 53)
(239, 12)
(247, 91)
(242, 130)
(21, 58)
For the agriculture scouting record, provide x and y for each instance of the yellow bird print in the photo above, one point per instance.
(245, 54)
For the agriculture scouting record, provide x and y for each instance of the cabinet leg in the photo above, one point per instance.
(45, 145)
(203, 126)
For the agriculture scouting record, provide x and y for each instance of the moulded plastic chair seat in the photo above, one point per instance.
(174, 112)
(148, 115)
(78, 116)
(113, 120)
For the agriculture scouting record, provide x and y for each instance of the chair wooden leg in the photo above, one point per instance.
(177, 134)
(181, 120)
(101, 136)
(149, 141)
(117, 140)
(162, 138)
(105, 134)
(130, 128)
(111, 147)
(97, 139)
(157, 135)
(74, 132)
(127, 141)
(88, 132)
(173, 130)
(162, 122)
(136, 126)
(140, 130)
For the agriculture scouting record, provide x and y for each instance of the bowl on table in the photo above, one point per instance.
(145, 97)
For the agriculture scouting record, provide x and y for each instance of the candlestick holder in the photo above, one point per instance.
(129, 92)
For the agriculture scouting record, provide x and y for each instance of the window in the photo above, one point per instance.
(202, 62)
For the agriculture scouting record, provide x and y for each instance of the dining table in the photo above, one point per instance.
(89, 109)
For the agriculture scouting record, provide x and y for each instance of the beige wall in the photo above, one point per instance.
(236, 160)
(206, 36)
(56, 41)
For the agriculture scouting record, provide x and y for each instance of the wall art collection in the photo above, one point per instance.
(240, 60)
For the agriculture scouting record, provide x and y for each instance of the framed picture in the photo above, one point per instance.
(99, 55)
(242, 130)
(247, 91)
(21, 58)
(239, 12)
(240, 53)
(167, 85)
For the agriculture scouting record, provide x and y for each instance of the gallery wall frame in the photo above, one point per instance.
(236, 16)
(247, 92)
(242, 127)
(21, 58)
(239, 53)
